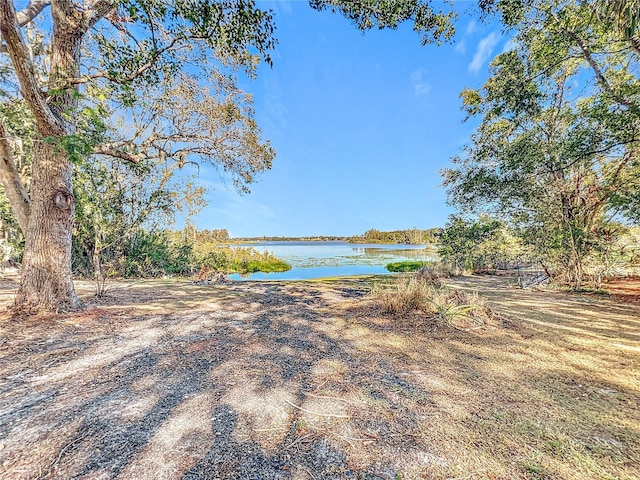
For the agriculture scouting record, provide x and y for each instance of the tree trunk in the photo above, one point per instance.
(47, 283)
(13, 188)
(98, 274)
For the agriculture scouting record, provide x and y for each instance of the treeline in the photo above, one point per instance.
(192, 234)
(412, 236)
(315, 238)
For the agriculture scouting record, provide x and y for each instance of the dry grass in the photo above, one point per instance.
(425, 294)
(307, 380)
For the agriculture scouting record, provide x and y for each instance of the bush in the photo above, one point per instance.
(424, 293)
(478, 245)
(408, 266)
(237, 260)
(409, 293)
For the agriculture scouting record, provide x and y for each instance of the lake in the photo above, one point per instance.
(334, 259)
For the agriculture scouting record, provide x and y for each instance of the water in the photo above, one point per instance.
(334, 259)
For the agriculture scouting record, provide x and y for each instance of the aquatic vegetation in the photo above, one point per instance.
(408, 266)
(243, 260)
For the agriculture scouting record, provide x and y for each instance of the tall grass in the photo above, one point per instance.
(243, 260)
(423, 293)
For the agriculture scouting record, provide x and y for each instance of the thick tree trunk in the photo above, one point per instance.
(47, 283)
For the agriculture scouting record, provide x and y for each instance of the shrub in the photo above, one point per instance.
(407, 266)
(423, 293)
(407, 294)
(243, 260)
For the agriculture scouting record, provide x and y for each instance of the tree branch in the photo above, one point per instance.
(10, 178)
(31, 11)
(588, 56)
(111, 150)
(47, 123)
(133, 75)
(97, 11)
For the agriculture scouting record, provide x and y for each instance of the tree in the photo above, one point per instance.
(119, 47)
(477, 245)
(556, 151)
(119, 203)
(53, 96)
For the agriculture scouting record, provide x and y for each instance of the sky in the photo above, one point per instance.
(361, 123)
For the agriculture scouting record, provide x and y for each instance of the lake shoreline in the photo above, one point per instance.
(335, 258)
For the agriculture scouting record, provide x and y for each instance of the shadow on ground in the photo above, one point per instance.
(308, 381)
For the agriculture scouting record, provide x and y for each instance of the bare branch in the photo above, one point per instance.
(98, 10)
(113, 151)
(31, 11)
(13, 187)
(25, 71)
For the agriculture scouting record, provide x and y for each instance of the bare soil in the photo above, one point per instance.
(308, 380)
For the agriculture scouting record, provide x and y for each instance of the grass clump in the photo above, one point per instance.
(424, 293)
(407, 266)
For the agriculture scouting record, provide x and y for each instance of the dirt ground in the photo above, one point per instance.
(308, 380)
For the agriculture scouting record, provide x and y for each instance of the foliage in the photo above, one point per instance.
(616, 254)
(191, 121)
(243, 260)
(149, 254)
(135, 58)
(168, 68)
(412, 236)
(433, 27)
(478, 245)
(555, 154)
(119, 208)
(216, 235)
(408, 266)
(11, 238)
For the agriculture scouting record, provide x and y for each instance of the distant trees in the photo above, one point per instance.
(412, 236)
(217, 235)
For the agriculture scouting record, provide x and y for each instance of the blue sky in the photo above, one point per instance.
(362, 124)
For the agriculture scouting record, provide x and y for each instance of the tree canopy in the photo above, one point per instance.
(556, 152)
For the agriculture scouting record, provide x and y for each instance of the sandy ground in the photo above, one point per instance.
(307, 380)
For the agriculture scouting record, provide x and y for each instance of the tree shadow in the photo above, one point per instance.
(295, 387)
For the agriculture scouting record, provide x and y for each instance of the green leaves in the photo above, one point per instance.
(475, 245)
(432, 26)
(162, 37)
(555, 152)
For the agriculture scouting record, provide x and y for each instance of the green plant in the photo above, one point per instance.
(243, 260)
(407, 266)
